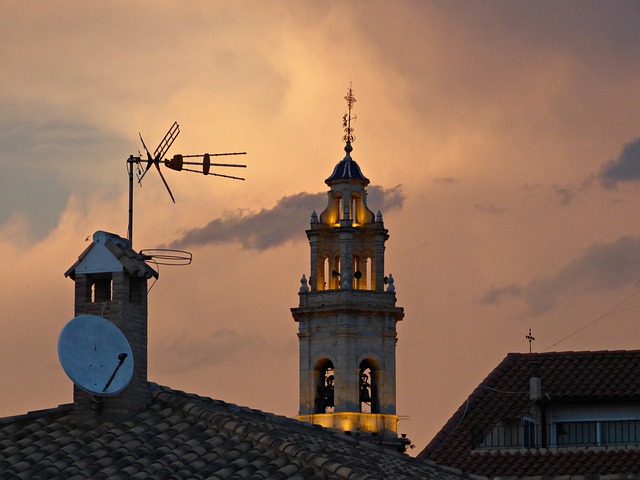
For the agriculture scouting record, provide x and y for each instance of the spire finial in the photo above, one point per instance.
(346, 119)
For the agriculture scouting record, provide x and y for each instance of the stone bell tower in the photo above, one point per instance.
(347, 314)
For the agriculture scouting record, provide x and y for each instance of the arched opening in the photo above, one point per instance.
(368, 388)
(325, 380)
(340, 207)
(334, 274)
(354, 209)
(326, 274)
(368, 273)
(358, 282)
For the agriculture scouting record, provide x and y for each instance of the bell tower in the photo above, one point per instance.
(347, 314)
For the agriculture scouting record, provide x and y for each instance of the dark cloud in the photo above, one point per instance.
(607, 266)
(565, 194)
(58, 156)
(272, 227)
(491, 208)
(625, 168)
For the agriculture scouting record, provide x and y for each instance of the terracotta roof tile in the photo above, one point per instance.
(186, 436)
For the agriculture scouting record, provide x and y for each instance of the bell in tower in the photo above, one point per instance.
(347, 314)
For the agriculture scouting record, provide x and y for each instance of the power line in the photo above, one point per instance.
(612, 311)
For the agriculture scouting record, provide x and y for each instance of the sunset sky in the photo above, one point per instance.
(501, 138)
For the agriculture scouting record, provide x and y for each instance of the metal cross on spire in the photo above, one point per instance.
(347, 117)
(531, 338)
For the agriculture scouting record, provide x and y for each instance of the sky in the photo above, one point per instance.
(501, 138)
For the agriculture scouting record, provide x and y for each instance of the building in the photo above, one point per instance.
(147, 431)
(548, 414)
(347, 314)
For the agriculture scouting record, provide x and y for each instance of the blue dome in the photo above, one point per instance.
(347, 169)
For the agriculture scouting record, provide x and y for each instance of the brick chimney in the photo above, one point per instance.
(111, 282)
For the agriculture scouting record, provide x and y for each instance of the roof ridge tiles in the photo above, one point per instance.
(37, 414)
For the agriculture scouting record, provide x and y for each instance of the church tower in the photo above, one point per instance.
(347, 314)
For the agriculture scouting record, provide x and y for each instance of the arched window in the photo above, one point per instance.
(357, 273)
(324, 387)
(354, 209)
(340, 207)
(326, 274)
(368, 388)
(334, 276)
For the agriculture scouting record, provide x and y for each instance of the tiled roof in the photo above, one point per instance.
(184, 436)
(504, 394)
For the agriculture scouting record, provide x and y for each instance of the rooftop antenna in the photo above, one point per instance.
(349, 137)
(176, 163)
(531, 338)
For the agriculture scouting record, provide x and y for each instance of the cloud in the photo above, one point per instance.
(58, 156)
(491, 208)
(272, 227)
(564, 194)
(191, 351)
(446, 180)
(625, 168)
(605, 266)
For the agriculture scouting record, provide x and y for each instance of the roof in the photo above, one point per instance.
(183, 435)
(109, 252)
(603, 376)
(347, 169)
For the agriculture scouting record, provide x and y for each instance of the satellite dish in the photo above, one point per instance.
(96, 355)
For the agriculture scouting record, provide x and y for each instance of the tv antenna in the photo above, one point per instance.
(530, 338)
(177, 163)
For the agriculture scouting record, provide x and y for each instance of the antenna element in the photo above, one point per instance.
(176, 163)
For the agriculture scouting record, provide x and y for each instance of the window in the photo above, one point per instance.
(509, 434)
(99, 288)
(597, 433)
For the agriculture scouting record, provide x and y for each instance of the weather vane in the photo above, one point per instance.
(176, 163)
(346, 119)
(531, 338)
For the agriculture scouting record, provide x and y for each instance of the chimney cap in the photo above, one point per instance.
(110, 253)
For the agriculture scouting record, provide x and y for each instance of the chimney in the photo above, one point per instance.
(111, 282)
(535, 384)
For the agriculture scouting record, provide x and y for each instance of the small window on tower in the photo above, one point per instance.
(354, 209)
(100, 289)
